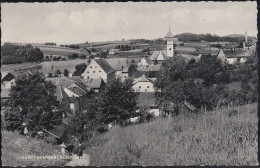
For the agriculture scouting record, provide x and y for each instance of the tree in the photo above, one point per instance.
(31, 101)
(132, 69)
(58, 72)
(117, 102)
(66, 72)
(80, 68)
(34, 55)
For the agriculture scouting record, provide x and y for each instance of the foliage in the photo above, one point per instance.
(13, 54)
(132, 69)
(31, 101)
(66, 72)
(80, 68)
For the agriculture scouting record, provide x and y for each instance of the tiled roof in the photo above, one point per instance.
(117, 63)
(94, 82)
(67, 82)
(190, 106)
(149, 68)
(147, 99)
(18, 73)
(235, 53)
(78, 91)
(148, 60)
(104, 65)
(161, 53)
(60, 93)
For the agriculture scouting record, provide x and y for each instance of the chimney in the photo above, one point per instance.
(244, 46)
(246, 37)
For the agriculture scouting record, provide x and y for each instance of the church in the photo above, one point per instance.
(162, 55)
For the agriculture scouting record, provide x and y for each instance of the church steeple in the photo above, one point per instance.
(169, 34)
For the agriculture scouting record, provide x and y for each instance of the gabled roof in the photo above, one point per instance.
(235, 53)
(67, 82)
(148, 60)
(149, 68)
(60, 93)
(94, 83)
(18, 73)
(159, 54)
(147, 99)
(104, 65)
(143, 78)
(78, 91)
(190, 106)
(117, 63)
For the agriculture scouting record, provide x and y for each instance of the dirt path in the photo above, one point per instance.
(79, 162)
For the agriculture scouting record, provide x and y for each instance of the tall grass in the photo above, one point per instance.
(14, 146)
(221, 137)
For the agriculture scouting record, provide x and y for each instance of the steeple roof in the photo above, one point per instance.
(169, 34)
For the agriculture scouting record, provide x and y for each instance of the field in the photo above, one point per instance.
(105, 45)
(11, 67)
(52, 66)
(221, 137)
(53, 50)
(15, 146)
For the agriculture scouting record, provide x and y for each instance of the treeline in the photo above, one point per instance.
(14, 54)
(206, 37)
(51, 44)
(71, 46)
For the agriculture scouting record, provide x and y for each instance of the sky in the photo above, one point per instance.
(70, 23)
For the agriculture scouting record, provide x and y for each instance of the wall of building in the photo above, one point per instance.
(93, 70)
(143, 87)
(170, 50)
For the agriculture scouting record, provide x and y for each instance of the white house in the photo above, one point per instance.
(98, 69)
(143, 84)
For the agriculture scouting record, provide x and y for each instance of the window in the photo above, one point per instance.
(95, 66)
(91, 67)
(88, 77)
(170, 49)
(99, 71)
(147, 86)
(87, 71)
(139, 87)
(93, 71)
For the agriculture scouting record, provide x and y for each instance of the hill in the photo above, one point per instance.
(15, 146)
(222, 137)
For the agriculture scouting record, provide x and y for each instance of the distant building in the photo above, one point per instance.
(113, 51)
(233, 56)
(143, 84)
(159, 56)
(96, 84)
(118, 65)
(99, 69)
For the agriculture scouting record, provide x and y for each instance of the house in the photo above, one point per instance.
(96, 84)
(99, 69)
(233, 56)
(146, 61)
(143, 84)
(113, 51)
(159, 56)
(150, 71)
(8, 78)
(168, 108)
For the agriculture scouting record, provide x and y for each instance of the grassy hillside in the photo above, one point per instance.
(11, 67)
(223, 137)
(14, 146)
(61, 51)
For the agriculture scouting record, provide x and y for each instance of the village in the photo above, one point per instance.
(172, 100)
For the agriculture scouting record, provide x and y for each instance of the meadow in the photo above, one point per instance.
(11, 67)
(220, 137)
(51, 50)
(15, 146)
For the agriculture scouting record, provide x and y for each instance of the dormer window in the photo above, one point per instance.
(91, 67)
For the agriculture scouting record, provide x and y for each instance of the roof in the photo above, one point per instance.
(156, 67)
(18, 73)
(169, 35)
(188, 56)
(147, 99)
(148, 60)
(60, 93)
(190, 106)
(235, 53)
(105, 66)
(212, 52)
(143, 78)
(5, 93)
(78, 91)
(3, 74)
(117, 63)
(125, 69)
(67, 82)
(159, 54)
(94, 82)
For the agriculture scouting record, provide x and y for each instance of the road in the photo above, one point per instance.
(85, 161)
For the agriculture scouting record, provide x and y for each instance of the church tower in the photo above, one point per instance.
(170, 47)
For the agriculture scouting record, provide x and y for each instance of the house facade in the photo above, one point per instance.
(99, 69)
(143, 84)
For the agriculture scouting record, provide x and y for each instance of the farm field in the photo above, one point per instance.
(50, 50)
(52, 66)
(105, 45)
(221, 137)
(15, 145)
(11, 67)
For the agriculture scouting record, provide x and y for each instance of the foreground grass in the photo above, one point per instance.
(222, 137)
(15, 146)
